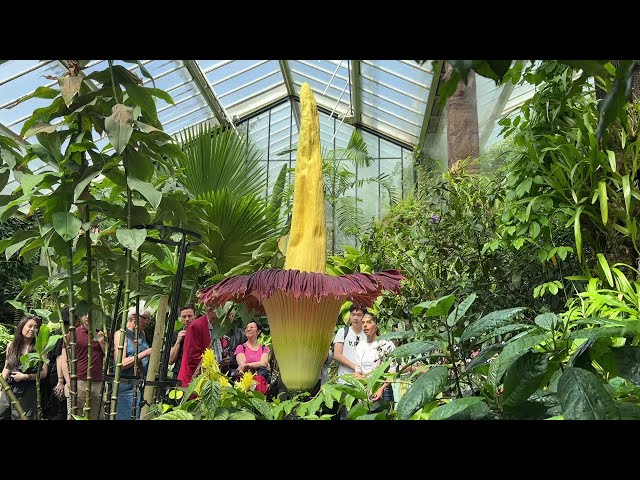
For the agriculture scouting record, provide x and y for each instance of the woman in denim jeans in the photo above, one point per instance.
(125, 392)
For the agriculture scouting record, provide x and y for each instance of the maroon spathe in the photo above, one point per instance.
(360, 288)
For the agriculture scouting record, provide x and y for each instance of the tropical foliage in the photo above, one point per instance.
(521, 298)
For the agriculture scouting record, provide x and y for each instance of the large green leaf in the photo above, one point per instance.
(13, 248)
(29, 182)
(210, 393)
(469, 408)
(119, 126)
(616, 98)
(494, 69)
(241, 415)
(89, 174)
(156, 92)
(600, 332)
(43, 338)
(4, 177)
(31, 285)
(547, 321)
(458, 313)
(146, 189)
(66, 225)
(523, 377)
(627, 361)
(511, 352)
(40, 127)
(398, 335)
(423, 391)
(175, 415)
(69, 86)
(434, 308)
(131, 238)
(583, 397)
(40, 92)
(528, 410)
(490, 321)
(628, 411)
(17, 241)
(140, 166)
(262, 407)
(591, 67)
(413, 348)
(141, 97)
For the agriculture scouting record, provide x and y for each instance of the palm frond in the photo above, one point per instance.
(216, 159)
(385, 181)
(277, 194)
(243, 223)
(349, 215)
(356, 151)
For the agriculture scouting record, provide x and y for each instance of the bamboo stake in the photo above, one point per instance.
(156, 353)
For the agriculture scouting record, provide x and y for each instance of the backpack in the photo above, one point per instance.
(330, 356)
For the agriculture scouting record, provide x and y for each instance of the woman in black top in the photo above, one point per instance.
(23, 383)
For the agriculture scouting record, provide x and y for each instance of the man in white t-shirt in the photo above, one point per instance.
(344, 350)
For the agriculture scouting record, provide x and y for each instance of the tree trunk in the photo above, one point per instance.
(463, 140)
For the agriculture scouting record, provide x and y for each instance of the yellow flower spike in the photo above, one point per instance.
(301, 301)
(224, 382)
(245, 383)
(307, 245)
(209, 361)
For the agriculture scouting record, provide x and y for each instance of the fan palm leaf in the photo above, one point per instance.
(216, 159)
(225, 176)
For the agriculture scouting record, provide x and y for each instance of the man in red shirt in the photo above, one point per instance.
(196, 341)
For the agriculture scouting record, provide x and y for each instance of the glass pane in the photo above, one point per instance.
(192, 119)
(407, 172)
(274, 170)
(393, 168)
(246, 105)
(369, 192)
(393, 75)
(372, 144)
(322, 73)
(259, 132)
(344, 134)
(393, 132)
(389, 150)
(14, 115)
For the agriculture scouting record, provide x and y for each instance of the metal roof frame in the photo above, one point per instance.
(201, 81)
(291, 91)
(361, 95)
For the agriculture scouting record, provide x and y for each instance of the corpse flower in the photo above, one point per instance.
(301, 301)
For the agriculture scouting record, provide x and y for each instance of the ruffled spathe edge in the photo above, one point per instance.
(360, 288)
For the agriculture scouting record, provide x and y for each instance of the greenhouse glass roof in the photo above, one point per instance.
(394, 99)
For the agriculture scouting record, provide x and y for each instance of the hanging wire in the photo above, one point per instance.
(350, 111)
(331, 79)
